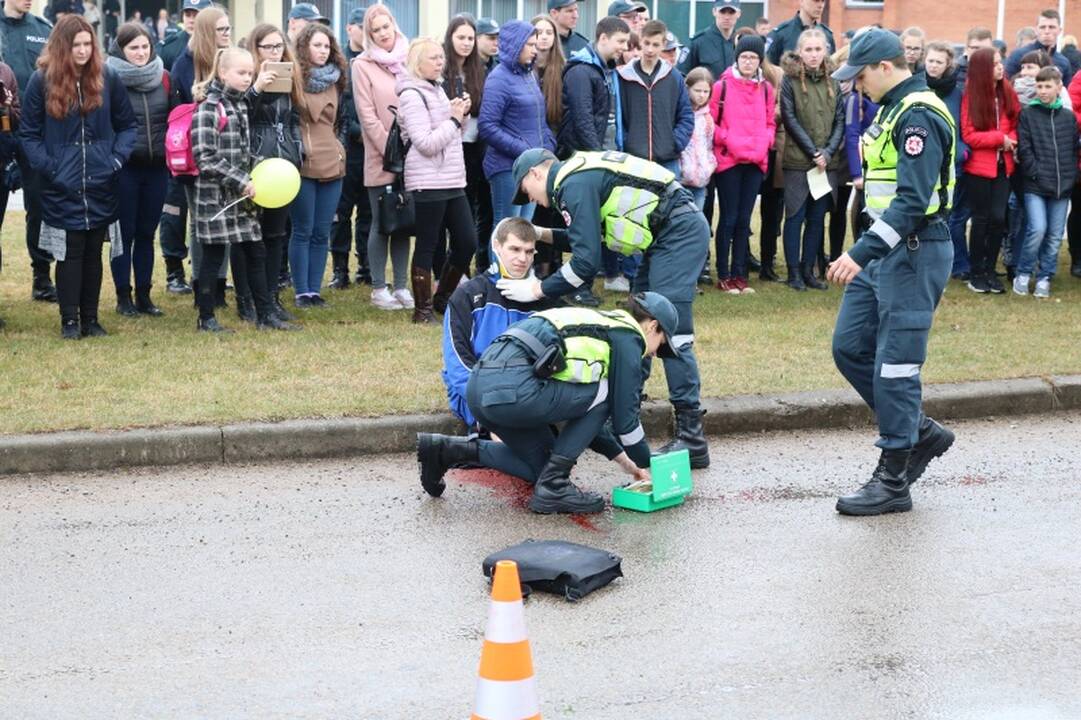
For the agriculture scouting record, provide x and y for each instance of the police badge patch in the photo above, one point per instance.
(914, 141)
(566, 217)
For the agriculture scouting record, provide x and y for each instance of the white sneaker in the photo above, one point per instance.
(1020, 285)
(617, 284)
(383, 300)
(404, 297)
(1043, 288)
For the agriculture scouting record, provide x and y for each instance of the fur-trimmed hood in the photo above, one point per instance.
(792, 65)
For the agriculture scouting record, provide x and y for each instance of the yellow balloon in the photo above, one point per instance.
(276, 181)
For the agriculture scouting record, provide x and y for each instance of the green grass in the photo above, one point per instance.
(353, 360)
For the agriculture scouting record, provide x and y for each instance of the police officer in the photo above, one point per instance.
(897, 270)
(567, 365)
(631, 205)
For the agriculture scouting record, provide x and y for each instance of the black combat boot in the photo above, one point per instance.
(795, 281)
(339, 279)
(174, 277)
(144, 304)
(439, 453)
(555, 493)
(124, 305)
(933, 442)
(689, 436)
(767, 272)
(887, 490)
(69, 323)
(245, 308)
(42, 288)
(810, 280)
(90, 327)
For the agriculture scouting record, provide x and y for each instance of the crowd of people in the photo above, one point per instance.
(742, 116)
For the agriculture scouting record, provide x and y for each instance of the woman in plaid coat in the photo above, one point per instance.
(223, 156)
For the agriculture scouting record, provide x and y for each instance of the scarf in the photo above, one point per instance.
(320, 78)
(139, 78)
(944, 84)
(394, 59)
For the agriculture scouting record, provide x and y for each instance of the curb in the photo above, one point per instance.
(303, 439)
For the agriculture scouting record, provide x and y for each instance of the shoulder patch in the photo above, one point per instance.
(914, 143)
(566, 216)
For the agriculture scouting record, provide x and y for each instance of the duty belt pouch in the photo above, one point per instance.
(547, 359)
(559, 567)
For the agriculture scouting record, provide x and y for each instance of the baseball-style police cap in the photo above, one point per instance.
(671, 42)
(622, 7)
(722, 4)
(872, 47)
(196, 5)
(307, 11)
(557, 4)
(487, 26)
(526, 162)
(356, 17)
(664, 312)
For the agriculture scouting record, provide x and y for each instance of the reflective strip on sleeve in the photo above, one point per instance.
(682, 340)
(602, 394)
(633, 437)
(884, 231)
(569, 275)
(900, 371)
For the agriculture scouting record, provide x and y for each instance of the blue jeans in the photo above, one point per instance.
(737, 189)
(312, 213)
(1046, 218)
(141, 192)
(699, 195)
(814, 211)
(959, 215)
(1016, 231)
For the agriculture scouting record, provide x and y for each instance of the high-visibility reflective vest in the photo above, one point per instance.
(625, 212)
(880, 157)
(584, 334)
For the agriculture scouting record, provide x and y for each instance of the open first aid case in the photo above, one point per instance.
(671, 484)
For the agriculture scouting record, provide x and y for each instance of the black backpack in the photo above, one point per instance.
(397, 147)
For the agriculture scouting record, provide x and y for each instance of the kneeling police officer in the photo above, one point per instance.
(575, 366)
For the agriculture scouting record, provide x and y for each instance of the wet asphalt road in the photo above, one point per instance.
(336, 589)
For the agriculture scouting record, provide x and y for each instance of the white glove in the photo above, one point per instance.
(524, 290)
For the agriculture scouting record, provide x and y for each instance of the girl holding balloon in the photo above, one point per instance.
(224, 214)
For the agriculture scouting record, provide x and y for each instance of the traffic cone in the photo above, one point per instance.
(506, 688)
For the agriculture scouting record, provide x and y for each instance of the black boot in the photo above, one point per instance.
(439, 453)
(124, 305)
(144, 304)
(273, 322)
(933, 442)
(690, 436)
(195, 293)
(794, 280)
(91, 328)
(340, 278)
(767, 273)
(810, 280)
(211, 325)
(752, 262)
(69, 323)
(887, 490)
(174, 277)
(279, 310)
(448, 280)
(43, 289)
(555, 493)
(245, 308)
(219, 294)
(364, 272)
(584, 297)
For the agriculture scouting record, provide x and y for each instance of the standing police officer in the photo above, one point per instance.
(567, 365)
(631, 205)
(897, 270)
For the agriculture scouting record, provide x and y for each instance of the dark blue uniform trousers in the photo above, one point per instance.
(880, 340)
(671, 267)
(519, 407)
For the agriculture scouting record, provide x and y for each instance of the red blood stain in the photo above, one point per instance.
(973, 480)
(514, 490)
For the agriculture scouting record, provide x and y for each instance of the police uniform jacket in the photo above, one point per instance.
(923, 139)
(21, 42)
(712, 50)
(785, 37)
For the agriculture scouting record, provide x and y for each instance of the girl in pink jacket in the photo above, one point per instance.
(742, 107)
(697, 163)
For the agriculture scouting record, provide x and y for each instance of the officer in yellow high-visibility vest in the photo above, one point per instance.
(898, 268)
(569, 365)
(630, 205)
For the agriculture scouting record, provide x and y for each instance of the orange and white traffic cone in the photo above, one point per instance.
(506, 688)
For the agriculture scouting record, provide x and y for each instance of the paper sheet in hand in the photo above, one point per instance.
(818, 182)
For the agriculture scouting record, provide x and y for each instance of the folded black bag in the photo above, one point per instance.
(558, 567)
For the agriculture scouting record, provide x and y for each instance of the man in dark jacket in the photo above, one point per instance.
(657, 115)
(715, 47)
(1048, 27)
(170, 48)
(22, 38)
(564, 14)
(353, 194)
(785, 36)
(488, 43)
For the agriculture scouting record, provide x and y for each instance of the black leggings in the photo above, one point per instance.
(432, 217)
(274, 224)
(1073, 226)
(78, 275)
(839, 221)
(771, 210)
(987, 197)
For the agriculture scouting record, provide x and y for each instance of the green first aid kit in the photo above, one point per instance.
(671, 484)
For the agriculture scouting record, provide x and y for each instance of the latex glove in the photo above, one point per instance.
(525, 290)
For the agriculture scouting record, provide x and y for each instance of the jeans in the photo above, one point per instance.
(312, 212)
(1043, 237)
(699, 195)
(959, 216)
(141, 191)
(737, 189)
(1015, 229)
(814, 211)
(503, 191)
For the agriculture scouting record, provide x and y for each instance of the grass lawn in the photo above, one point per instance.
(354, 360)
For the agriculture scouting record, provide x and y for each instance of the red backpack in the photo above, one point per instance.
(178, 153)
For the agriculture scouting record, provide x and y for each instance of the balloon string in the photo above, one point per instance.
(235, 202)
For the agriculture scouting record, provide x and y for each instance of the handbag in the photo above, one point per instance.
(397, 214)
(397, 147)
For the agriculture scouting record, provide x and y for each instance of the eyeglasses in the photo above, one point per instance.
(277, 47)
(224, 30)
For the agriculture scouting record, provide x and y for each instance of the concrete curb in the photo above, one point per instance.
(302, 439)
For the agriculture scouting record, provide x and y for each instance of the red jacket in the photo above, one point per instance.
(985, 146)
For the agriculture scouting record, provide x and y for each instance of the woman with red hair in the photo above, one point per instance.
(989, 112)
(77, 131)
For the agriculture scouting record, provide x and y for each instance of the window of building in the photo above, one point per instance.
(685, 18)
